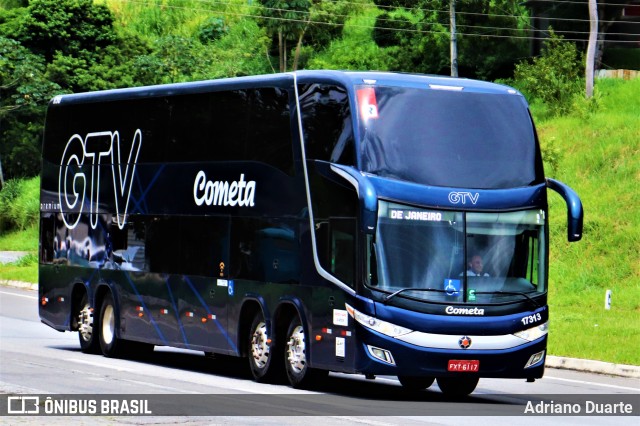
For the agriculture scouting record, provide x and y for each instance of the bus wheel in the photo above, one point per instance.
(111, 346)
(416, 383)
(457, 386)
(261, 350)
(89, 342)
(298, 371)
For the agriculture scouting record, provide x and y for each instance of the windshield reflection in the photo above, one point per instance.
(443, 138)
(458, 257)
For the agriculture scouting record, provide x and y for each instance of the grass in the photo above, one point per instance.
(600, 160)
(26, 269)
(598, 154)
(26, 240)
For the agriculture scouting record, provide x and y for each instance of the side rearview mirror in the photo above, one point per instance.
(575, 213)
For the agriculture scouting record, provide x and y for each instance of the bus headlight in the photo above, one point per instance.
(375, 324)
(533, 333)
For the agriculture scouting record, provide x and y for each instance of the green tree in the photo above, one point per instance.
(554, 77)
(66, 26)
(53, 47)
(416, 35)
(242, 51)
(292, 25)
(24, 94)
(212, 29)
(285, 21)
(181, 57)
(80, 45)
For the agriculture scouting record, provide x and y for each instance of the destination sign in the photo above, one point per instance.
(420, 215)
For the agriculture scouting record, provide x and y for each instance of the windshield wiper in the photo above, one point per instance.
(516, 293)
(395, 293)
(388, 297)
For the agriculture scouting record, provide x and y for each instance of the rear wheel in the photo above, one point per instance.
(416, 383)
(111, 345)
(87, 328)
(457, 386)
(296, 361)
(261, 351)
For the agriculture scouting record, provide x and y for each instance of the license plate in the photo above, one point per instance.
(464, 366)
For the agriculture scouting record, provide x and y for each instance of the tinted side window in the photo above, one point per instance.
(265, 250)
(326, 123)
(238, 125)
(181, 244)
(233, 125)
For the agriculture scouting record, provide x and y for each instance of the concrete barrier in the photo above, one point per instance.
(623, 74)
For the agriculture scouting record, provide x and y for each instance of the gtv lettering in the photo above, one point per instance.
(92, 151)
(463, 197)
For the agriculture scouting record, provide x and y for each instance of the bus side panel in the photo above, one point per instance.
(335, 207)
(54, 293)
(333, 344)
(174, 310)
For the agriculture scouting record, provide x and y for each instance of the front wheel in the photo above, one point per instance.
(457, 386)
(296, 361)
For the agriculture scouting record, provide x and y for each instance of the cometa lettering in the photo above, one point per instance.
(222, 193)
(450, 310)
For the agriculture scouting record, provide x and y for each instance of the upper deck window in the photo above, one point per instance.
(251, 124)
(326, 123)
(447, 138)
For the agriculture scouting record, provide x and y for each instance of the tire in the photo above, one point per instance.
(87, 327)
(110, 344)
(262, 351)
(416, 383)
(295, 357)
(457, 386)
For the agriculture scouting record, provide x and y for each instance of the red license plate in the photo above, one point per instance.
(464, 365)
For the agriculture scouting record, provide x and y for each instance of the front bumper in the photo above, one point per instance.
(412, 360)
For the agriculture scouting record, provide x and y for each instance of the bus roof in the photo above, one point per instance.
(386, 78)
(347, 78)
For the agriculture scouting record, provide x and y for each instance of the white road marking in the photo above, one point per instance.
(584, 382)
(101, 365)
(19, 295)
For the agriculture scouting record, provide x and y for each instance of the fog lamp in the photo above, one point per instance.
(381, 354)
(535, 359)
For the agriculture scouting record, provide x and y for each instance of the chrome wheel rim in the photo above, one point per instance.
(296, 350)
(85, 323)
(260, 345)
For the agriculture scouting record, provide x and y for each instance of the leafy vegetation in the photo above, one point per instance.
(20, 204)
(553, 78)
(415, 35)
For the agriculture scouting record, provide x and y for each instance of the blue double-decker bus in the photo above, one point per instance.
(314, 221)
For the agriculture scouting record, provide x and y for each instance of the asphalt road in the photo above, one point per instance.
(37, 360)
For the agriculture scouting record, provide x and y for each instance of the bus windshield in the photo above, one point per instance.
(445, 138)
(458, 257)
